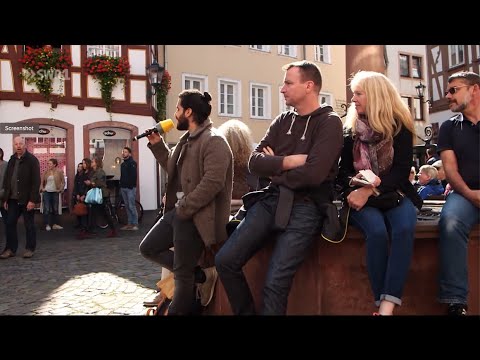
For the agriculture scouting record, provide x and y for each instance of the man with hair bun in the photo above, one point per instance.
(197, 206)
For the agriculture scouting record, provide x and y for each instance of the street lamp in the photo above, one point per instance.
(155, 74)
(421, 93)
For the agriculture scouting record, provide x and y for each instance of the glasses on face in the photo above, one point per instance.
(454, 89)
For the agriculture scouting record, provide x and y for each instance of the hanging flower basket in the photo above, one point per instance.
(107, 71)
(162, 92)
(42, 65)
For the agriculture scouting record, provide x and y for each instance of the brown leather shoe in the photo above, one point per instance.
(28, 254)
(207, 289)
(6, 254)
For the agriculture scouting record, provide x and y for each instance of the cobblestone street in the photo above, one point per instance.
(66, 276)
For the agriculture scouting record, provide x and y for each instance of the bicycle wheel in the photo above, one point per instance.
(139, 210)
(99, 218)
(122, 212)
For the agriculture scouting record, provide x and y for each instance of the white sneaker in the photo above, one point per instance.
(56, 227)
(48, 228)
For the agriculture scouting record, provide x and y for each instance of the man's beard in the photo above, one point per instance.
(182, 123)
(458, 107)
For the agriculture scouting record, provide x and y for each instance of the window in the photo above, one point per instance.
(404, 65)
(322, 53)
(229, 98)
(109, 50)
(288, 50)
(191, 81)
(260, 101)
(417, 109)
(281, 101)
(410, 66)
(456, 55)
(265, 48)
(416, 67)
(478, 51)
(415, 106)
(324, 98)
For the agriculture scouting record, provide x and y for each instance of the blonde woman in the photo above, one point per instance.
(52, 186)
(379, 135)
(239, 137)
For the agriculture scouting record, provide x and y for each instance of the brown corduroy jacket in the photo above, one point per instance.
(206, 163)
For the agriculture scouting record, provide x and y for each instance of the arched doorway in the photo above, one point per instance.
(55, 139)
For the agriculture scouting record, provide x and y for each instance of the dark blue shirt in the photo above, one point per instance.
(128, 174)
(462, 136)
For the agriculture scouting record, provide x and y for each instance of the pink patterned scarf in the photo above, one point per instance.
(370, 149)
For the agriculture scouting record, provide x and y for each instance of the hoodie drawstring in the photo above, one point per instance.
(289, 132)
(306, 126)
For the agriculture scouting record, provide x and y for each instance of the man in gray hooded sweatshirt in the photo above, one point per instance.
(299, 153)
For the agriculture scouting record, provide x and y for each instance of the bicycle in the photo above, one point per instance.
(118, 212)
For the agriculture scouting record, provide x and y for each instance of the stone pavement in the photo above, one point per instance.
(66, 276)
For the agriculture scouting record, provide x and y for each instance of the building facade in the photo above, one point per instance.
(74, 123)
(245, 80)
(443, 61)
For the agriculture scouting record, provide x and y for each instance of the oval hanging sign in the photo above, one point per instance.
(43, 131)
(109, 133)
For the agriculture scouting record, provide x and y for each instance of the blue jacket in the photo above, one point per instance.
(434, 187)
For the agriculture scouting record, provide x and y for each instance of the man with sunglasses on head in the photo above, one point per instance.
(458, 144)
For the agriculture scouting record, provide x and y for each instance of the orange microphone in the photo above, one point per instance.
(162, 127)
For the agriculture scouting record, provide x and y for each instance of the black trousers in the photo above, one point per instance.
(170, 231)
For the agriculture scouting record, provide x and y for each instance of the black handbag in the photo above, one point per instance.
(386, 201)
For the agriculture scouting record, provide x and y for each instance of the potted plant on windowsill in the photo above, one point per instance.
(42, 65)
(162, 92)
(107, 71)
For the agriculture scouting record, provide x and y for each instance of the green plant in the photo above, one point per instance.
(161, 94)
(41, 65)
(108, 71)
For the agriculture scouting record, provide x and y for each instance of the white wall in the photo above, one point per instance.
(440, 117)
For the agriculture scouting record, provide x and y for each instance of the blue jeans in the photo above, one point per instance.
(128, 196)
(290, 249)
(456, 221)
(50, 208)
(387, 266)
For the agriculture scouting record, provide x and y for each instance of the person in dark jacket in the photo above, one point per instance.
(379, 134)
(128, 188)
(299, 153)
(79, 190)
(22, 192)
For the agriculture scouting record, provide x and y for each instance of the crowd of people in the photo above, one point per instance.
(306, 159)
(306, 155)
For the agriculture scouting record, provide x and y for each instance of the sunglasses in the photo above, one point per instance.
(454, 89)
